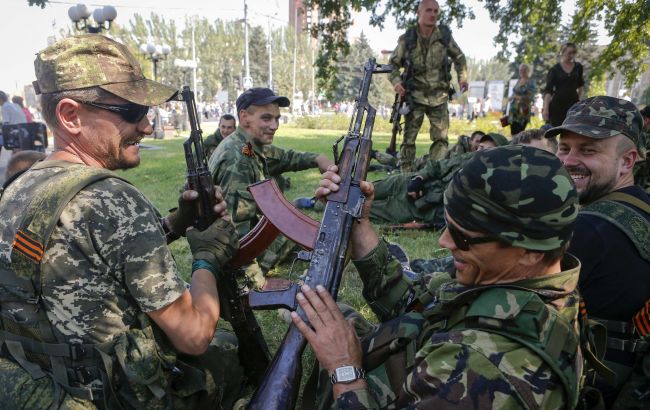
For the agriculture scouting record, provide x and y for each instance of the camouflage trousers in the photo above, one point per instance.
(439, 125)
(224, 380)
(393, 205)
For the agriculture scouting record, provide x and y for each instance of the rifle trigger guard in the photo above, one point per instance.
(304, 256)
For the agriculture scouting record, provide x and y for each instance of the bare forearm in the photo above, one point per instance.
(547, 100)
(191, 320)
(364, 239)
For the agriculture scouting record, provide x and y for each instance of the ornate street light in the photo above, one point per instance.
(156, 53)
(80, 16)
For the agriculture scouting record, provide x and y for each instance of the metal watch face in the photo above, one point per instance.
(345, 374)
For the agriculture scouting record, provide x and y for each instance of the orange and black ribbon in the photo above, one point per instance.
(248, 150)
(642, 320)
(29, 247)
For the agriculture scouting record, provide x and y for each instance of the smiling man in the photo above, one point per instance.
(598, 145)
(501, 335)
(94, 311)
(247, 156)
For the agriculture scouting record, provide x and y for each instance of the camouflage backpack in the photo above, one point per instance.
(135, 370)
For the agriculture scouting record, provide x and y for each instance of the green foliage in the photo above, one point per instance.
(530, 27)
(382, 127)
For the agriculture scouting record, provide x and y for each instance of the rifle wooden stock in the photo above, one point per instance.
(281, 383)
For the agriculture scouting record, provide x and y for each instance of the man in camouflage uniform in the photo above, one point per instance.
(502, 334)
(418, 196)
(599, 145)
(227, 125)
(94, 311)
(428, 49)
(247, 156)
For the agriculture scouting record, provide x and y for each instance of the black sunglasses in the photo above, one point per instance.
(462, 241)
(132, 113)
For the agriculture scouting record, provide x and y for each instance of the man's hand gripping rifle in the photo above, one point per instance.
(279, 388)
(253, 351)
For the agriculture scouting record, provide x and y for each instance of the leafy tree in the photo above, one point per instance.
(528, 26)
(348, 79)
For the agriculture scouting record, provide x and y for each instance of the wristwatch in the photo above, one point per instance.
(347, 374)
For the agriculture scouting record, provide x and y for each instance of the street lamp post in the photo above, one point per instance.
(156, 53)
(103, 16)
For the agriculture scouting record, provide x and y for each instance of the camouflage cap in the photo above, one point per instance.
(498, 139)
(92, 60)
(602, 117)
(519, 194)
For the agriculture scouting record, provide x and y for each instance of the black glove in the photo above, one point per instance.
(416, 186)
(184, 216)
(217, 244)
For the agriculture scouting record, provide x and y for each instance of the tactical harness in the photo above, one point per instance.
(26, 334)
(411, 37)
(626, 213)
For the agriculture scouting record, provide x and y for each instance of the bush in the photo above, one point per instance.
(457, 127)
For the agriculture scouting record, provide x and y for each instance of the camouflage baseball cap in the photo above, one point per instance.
(519, 194)
(602, 117)
(92, 60)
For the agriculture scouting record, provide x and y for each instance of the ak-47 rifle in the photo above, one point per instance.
(396, 113)
(281, 383)
(253, 351)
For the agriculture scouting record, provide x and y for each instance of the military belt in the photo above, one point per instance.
(71, 351)
(618, 326)
(629, 345)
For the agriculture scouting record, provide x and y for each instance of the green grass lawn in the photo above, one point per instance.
(161, 177)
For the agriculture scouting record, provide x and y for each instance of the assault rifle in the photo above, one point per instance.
(398, 108)
(253, 351)
(327, 246)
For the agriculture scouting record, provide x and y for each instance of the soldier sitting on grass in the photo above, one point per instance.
(502, 334)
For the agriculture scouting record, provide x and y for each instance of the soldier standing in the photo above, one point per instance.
(599, 146)
(428, 49)
(94, 311)
(501, 335)
(247, 156)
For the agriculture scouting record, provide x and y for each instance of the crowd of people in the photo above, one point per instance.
(547, 233)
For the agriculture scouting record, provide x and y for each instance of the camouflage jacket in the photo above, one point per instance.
(455, 363)
(461, 147)
(107, 259)
(429, 85)
(211, 143)
(436, 175)
(238, 162)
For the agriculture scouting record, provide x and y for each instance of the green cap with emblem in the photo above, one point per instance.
(92, 60)
(602, 117)
(519, 194)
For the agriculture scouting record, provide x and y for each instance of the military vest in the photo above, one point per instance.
(28, 338)
(630, 215)
(533, 324)
(411, 37)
